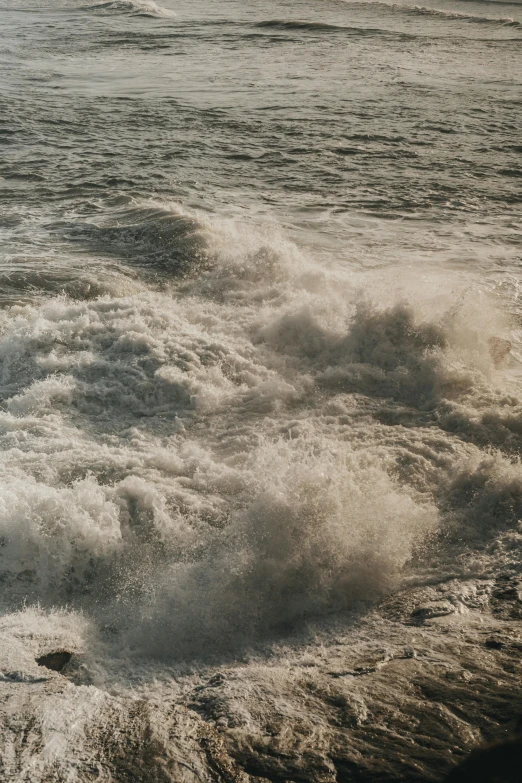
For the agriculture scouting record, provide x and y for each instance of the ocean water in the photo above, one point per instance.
(260, 365)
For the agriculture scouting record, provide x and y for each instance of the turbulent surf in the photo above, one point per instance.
(260, 389)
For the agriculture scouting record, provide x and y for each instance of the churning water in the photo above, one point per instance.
(261, 337)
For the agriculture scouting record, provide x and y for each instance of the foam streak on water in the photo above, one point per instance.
(259, 379)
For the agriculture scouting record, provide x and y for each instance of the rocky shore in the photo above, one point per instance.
(369, 700)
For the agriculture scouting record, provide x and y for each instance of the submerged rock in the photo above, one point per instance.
(498, 763)
(55, 660)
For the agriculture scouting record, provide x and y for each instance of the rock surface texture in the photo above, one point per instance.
(341, 706)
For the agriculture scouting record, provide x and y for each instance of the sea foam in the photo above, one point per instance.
(248, 447)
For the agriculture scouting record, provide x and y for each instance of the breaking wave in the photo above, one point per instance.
(418, 10)
(247, 447)
(436, 12)
(133, 7)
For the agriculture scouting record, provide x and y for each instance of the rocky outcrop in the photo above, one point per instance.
(366, 699)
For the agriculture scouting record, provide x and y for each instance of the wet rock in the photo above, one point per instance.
(494, 644)
(386, 700)
(434, 609)
(508, 593)
(56, 660)
(498, 763)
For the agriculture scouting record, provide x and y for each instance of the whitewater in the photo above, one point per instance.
(260, 388)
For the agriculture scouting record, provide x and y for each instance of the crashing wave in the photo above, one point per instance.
(248, 449)
(133, 7)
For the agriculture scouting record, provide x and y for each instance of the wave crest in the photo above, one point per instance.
(419, 10)
(132, 7)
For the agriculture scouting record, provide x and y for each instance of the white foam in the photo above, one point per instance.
(135, 7)
(215, 459)
(319, 535)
